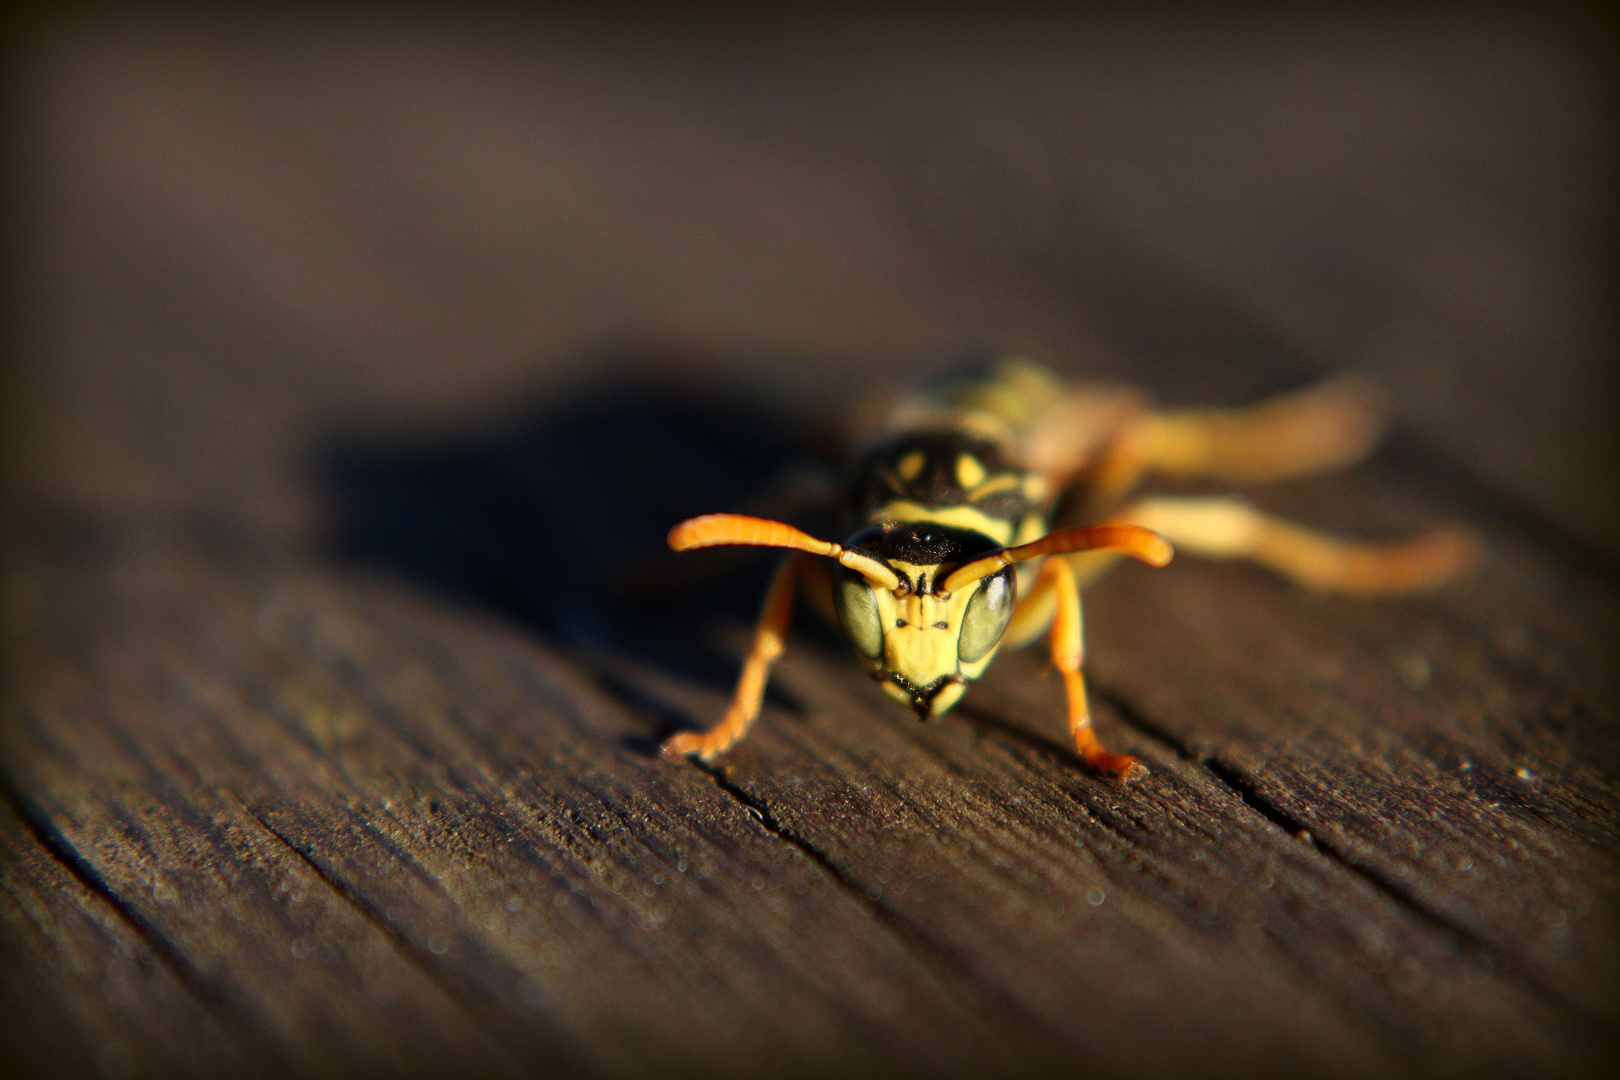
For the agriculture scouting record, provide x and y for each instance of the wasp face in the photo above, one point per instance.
(920, 644)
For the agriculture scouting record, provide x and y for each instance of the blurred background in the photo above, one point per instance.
(237, 240)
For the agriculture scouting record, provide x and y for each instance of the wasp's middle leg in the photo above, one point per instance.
(770, 638)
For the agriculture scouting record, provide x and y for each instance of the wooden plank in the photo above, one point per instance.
(1514, 1021)
(281, 807)
(358, 729)
(86, 989)
(1417, 740)
(471, 824)
(982, 832)
(312, 985)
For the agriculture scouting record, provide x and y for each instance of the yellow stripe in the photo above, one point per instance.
(1000, 482)
(962, 517)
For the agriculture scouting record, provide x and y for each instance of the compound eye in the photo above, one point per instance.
(858, 613)
(985, 619)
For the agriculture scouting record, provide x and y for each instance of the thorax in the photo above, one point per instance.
(953, 478)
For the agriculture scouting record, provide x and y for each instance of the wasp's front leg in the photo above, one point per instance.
(1068, 656)
(770, 638)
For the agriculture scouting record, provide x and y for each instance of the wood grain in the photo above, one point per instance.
(340, 635)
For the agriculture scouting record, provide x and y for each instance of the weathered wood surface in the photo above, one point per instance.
(340, 639)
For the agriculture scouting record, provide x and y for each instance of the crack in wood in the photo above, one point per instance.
(419, 957)
(1235, 780)
(214, 1001)
(903, 929)
(1227, 775)
(1133, 717)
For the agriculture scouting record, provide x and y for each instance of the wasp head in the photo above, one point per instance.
(920, 642)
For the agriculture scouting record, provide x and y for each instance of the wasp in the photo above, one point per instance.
(952, 557)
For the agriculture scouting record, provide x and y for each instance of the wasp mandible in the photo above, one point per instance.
(952, 557)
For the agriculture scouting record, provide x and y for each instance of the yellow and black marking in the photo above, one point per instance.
(947, 477)
(952, 552)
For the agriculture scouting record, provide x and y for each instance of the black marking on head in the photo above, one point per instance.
(922, 543)
(878, 477)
